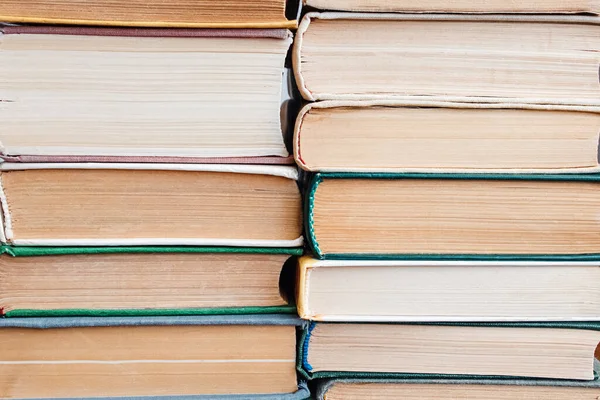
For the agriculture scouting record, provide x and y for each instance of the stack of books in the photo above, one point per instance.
(149, 203)
(453, 207)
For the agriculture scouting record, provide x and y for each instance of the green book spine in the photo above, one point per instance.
(26, 251)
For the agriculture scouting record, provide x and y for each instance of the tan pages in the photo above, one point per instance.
(450, 57)
(124, 361)
(150, 204)
(428, 136)
(461, 6)
(151, 13)
(143, 282)
(399, 215)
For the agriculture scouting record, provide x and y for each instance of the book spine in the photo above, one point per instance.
(309, 212)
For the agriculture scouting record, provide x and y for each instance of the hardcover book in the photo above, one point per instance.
(229, 357)
(147, 95)
(437, 291)
(471, 58)
(552, 350)
(461, 6)
(454, 216)
(427, 136)
(155, 13)
(150, 204)
(143, 281)
(465, 389)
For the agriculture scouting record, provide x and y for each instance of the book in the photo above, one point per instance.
(479, 59)
(154, 13)
(75, 94)
(443, 350)
(449, 216)
(106, 204)
(466, 389)
(446, 291)
(461, 6)
(430, 136)
(145, 281)
(152, 356)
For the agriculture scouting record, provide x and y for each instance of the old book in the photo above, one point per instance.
(155, 13)
(465, 389)
(153, 356)
(429, 216)
(436, 291)
(145, 95)
(438, 136)
(531, 350)
(150, 204)
(461, 6)
(526, 59)
(116, 281)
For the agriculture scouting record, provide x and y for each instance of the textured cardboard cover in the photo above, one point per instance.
(72, 322)
(301, 394)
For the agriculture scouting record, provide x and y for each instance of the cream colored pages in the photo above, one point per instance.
(450, 291)
(464, 350)
(141, 96)
(429, 136)
(466, 6)
(500, 58)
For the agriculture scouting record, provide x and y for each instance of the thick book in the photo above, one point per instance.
(72, 94)
(153, 13)
(443, 291)
(426, 136)
(449, 216)
(91, 204)
(145, 281)
(473, 58)
(461, 6)
(229, 357)
(552, 350)
(465, 389)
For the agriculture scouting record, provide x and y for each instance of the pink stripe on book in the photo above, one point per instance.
(143, 159)
(147, 32)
